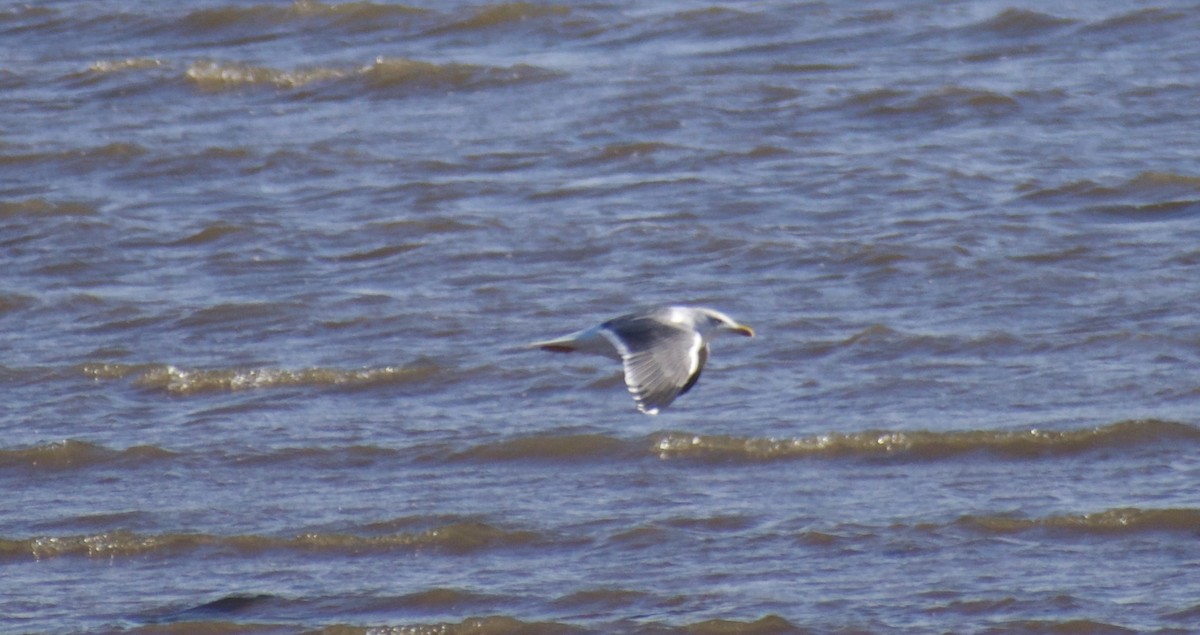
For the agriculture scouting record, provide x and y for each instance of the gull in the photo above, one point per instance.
(663, 349)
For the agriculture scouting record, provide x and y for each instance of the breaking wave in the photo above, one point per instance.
(385, 76)
(550, 448)
(72, 455)
(177, 381)
(1110, 522)
(927, 445)
(455, 538)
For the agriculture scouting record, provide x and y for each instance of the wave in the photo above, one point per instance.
(618, 152)
(103, 67)
(73, 455)
(183, 382)
(379, 253)
(503, 14)
(485, 625)
(263, 608)
(1117, 524)
(1121, 521)
(238, 24)
(455, 538)
(74, 160)
(41, 208)
(1144, 187)
(554, 448)
(210, 233)
(872, 444)
(1011, 23)
(364, 17)
(946, 105)
(1168, 210)
(1142, 183)
(14, 302)
(212, 76)
(671, 445)
(385, 76)
(1149, 20)
(1147, 196)
(926, 445)
(432, 600)
(346, 14)
(401, 73)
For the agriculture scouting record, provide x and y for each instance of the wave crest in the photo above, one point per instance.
(177, 381)
(458, 537)
(1126, 520)
(923, 444)
(386, 76)
(71, 454)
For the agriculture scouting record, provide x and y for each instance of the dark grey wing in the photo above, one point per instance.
(661, 361)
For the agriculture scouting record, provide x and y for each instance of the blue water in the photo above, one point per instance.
(270, 269)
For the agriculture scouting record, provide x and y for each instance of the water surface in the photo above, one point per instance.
(269, 267)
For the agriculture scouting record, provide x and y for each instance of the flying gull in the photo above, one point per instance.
(663, 349)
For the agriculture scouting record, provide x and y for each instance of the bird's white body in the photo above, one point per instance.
(663, 350)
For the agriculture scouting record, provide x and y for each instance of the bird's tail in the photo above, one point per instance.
(558, 345)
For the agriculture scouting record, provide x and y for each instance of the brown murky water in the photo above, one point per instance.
(269, 266)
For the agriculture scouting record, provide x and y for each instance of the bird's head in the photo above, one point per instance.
(715, 320)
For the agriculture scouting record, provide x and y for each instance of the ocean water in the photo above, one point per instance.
(269, 269)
